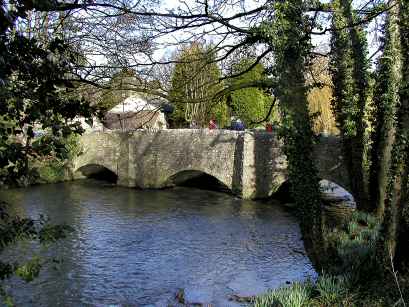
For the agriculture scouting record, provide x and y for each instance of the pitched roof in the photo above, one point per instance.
(134, 104)
(130, 120)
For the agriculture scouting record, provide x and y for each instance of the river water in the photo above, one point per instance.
(137, 248)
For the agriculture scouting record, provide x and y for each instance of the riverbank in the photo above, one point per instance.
(350, 276)
(52, 167)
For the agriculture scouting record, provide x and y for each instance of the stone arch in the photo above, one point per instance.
(334, 192)
(331, 192)
(282, 191)
(277, 182)
(186, 175)
(97, 171)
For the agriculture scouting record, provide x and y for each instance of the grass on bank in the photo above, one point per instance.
(326, 291)
(351, 278)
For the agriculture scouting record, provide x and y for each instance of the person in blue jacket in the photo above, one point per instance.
(237, 124)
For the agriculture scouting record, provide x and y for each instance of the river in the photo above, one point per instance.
(137, 248)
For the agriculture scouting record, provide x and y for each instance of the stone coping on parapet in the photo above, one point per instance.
(187, 131)
(322, 139)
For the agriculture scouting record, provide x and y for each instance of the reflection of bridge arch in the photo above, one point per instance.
(195, 176)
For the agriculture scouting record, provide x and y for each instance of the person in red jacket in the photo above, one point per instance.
(212, 124)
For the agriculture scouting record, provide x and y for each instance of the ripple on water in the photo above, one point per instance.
(139, 247)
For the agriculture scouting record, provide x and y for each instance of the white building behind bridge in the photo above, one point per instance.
(135, 112)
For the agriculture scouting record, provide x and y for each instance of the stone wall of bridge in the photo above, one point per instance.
(251, 163)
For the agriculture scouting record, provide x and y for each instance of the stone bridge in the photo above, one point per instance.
(249, 163)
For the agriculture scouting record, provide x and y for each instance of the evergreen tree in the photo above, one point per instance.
(195, 81)
(249, 104)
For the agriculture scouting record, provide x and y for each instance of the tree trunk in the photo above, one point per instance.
(358, 158)
(291, 50)
(386, 100)
(351, 87)
(392, 231)
(392, 225)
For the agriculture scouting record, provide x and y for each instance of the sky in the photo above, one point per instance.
(320, 41)
(166, 51)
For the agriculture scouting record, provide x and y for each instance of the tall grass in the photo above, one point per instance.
(326, 291)
(333, 290)
(352, 247)
(297, 295)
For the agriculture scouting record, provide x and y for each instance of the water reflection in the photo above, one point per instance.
(138, 247)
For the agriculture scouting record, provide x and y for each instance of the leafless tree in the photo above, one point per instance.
(142, 34)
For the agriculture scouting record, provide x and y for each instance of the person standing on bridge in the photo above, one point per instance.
(193, 125)
(237, 124)
(212, 124)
